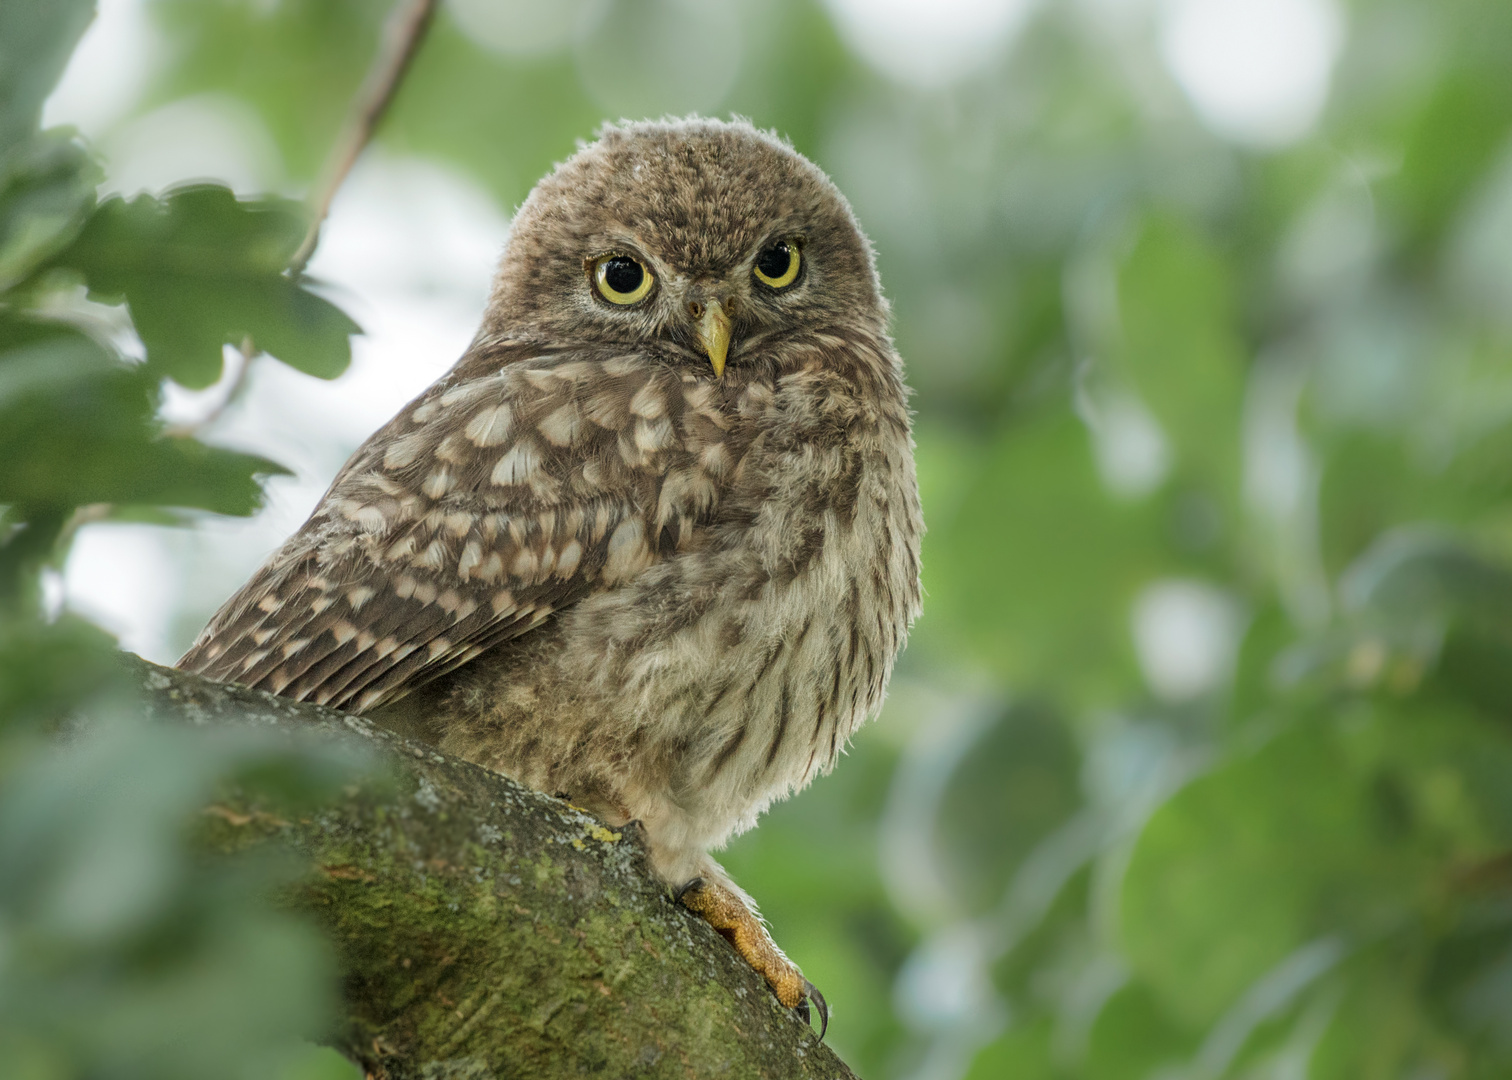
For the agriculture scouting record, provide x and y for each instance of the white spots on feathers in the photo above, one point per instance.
(628, 554)
(466, 393)
(607, 409)
(715, 459)
(492, 568)
(459, 524)
(405, 451)
(401, 549)
(366, 516)
(434, 557)
(525, 566)
(624, 365)
(542, 379)
(456, 605)
(685, 493)
(576, 371)
(603, 517)
(438, 483)
(649, 402)
(594, 474)
(518, 466)
(561, 427)
(654, 435)
(699, 397)
(454, 451)
(567, 562)
(359, 596)
(490, 427)
(471, 556)
(754, 399)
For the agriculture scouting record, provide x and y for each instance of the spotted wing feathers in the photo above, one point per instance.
(508, 491)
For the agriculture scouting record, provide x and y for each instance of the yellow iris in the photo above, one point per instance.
(621, 279)
(777, 266)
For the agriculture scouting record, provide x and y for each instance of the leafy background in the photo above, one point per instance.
(1198, 763)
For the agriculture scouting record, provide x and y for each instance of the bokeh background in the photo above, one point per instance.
(1199, 763)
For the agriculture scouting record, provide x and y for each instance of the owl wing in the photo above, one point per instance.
(509, 490)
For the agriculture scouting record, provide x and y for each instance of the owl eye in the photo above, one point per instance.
(777, 266)
(621, 279)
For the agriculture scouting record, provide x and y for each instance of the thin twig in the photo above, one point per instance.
(189, 428)
(402, 34)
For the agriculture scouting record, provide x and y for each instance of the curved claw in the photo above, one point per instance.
(811, 994)
(728, 914)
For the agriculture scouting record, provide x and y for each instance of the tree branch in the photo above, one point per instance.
(402, 35)
(487, 930)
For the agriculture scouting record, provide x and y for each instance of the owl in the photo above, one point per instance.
(652, 545)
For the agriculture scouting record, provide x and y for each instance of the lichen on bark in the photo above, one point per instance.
(486, 930)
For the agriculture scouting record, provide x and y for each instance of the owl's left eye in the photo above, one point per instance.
(777, 266)
(621, 279)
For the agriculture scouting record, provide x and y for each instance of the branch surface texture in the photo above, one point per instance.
(487, 930)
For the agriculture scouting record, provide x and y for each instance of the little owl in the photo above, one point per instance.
(652, 544)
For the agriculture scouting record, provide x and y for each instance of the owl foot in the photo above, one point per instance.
(724, 911)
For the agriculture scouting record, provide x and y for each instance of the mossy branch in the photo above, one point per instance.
(487, 930)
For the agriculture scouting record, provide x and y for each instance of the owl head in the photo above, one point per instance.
(698, 239)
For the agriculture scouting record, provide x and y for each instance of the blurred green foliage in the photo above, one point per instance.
(123, 952)
(1176, 398)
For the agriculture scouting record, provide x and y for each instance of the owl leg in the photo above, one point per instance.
(724, 909)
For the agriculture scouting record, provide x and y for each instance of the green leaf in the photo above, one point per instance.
(1426, 573)
(1029, 565)
(36, 39)
(1255, 859)
(1132, 1038)
(46, 190)
(1456, 134)
(1024, 1052)
(1019, 782)
(1182, 352)
(49, 669)
(76, 428)
(201, 269)
(1428, 592)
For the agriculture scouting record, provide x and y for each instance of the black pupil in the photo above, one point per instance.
(623, 274)
(774, 260)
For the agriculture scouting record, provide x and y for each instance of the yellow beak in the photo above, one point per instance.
(714, 336)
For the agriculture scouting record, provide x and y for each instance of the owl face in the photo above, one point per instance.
(700, 240)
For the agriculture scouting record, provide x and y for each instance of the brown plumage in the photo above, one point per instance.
(591, 561)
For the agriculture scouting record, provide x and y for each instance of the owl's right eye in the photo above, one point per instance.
(621, 279)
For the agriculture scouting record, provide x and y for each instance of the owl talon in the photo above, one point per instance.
(812, 995)
(724, 910)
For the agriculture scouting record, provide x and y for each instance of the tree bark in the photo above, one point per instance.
(487, 930)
